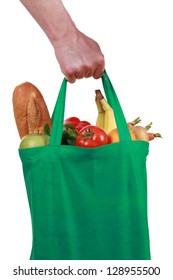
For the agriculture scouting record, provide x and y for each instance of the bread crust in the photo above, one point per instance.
(30, 110)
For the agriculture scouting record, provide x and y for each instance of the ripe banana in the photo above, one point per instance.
(101, 114)
(105, 118)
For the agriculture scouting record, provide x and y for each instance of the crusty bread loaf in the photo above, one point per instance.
(30, 110)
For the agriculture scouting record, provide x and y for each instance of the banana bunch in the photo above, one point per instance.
(105, 118)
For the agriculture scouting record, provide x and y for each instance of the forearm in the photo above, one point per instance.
(78, 55)
(52, 17)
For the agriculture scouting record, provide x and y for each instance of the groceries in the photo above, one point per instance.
(34, 123)
(34, 140)
(30, 110)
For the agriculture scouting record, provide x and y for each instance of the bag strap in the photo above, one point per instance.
(58, 113)
(113, 101)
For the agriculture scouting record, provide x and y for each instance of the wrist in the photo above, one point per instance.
(65, 36)
(65, 33)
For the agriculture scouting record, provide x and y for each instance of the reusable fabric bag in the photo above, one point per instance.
(88, 203)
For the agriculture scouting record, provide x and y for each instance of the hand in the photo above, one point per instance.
(79, 56)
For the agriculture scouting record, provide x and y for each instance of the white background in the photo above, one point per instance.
(136, 39)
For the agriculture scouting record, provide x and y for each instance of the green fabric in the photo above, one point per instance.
(88, 203)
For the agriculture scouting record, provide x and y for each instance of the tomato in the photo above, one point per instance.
(71, 124)
(84, 123)
(76, 123)
(71, 128)
(91, 136)
(71, 120)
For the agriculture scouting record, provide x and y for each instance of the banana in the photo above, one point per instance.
(101, 113)
(105, 118)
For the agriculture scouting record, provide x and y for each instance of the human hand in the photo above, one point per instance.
(79, 56)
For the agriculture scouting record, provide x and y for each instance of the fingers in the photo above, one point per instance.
(85, 72)
(73, 74)
(71, 78)
(98, 72)
(78, 75)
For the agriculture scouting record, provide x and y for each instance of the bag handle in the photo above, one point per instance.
(58, 113)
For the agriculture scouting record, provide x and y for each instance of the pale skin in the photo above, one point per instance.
(78, 55)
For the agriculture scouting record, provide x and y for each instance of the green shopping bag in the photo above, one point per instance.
(88, 203)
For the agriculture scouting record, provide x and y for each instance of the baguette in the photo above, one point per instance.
(30, 110)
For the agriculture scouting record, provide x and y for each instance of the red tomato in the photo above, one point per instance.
(91, 136)
(75, 124)
(82, 124)
(72, 119)
(79, 127)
